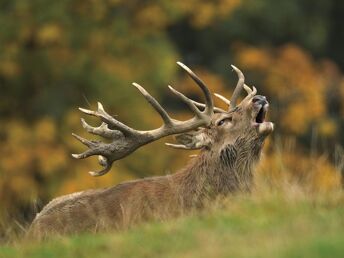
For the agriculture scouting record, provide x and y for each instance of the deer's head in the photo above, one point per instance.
(211, 129)
(244, 121)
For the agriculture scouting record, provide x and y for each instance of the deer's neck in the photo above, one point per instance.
(236, 164)
(212, 174)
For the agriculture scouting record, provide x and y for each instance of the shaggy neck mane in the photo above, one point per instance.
(219, 173)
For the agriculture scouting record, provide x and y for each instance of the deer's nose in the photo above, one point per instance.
(260, 100)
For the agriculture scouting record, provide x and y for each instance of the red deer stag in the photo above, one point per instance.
(230, 142)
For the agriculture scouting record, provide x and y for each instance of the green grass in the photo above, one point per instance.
(265, 226)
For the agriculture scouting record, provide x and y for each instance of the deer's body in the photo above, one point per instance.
(230, 144)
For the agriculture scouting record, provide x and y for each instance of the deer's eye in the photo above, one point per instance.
(222, 121)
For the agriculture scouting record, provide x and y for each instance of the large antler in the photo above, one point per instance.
(125, 140)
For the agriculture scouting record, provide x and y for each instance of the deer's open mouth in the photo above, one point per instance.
(260, 106)
(260, 118)
(264, 128)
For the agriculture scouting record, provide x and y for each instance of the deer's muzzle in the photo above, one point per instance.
(261, 105)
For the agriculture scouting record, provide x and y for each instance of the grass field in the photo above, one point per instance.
(272, 225)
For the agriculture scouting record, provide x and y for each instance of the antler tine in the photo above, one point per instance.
(208, 99)
(104, 116)
(94, 150)
(155, 104)
(103, 162)
(250, 92)
(254, 91)
(102, 130)
(126, 140)
(238, 88)
(86, 142)
(216, 109)
(187, 101)
(247, 89)
(224, 99)
(177, 146)
(87, 153)
(183, 147)
(201, 105)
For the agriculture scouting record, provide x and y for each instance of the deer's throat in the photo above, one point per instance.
(212, 174)
(236, 164)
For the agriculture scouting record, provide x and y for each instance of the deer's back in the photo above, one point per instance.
(100, 209)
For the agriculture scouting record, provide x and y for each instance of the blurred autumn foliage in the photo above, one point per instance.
(58, 55)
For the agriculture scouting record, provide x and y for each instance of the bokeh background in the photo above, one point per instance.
(58, 55)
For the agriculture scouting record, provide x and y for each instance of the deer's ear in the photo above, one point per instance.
(194, 140)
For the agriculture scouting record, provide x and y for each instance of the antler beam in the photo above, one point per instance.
(126, 140)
